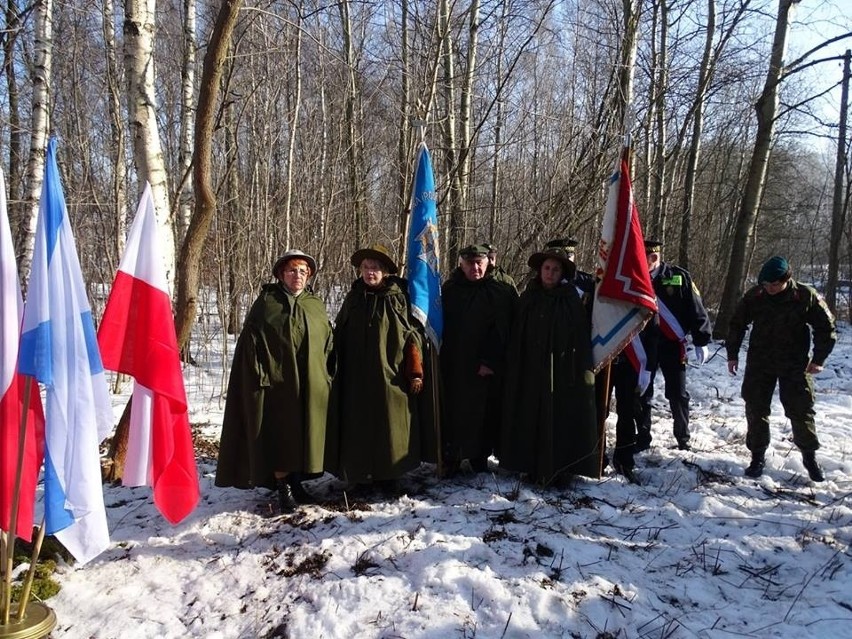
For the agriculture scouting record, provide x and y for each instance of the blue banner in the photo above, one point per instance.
(423, 267)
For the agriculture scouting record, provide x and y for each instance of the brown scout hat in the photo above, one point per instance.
(375, 252)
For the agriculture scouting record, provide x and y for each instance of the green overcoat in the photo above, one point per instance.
(278, 392)
(477, 319)
(379, 434)
(549, 410)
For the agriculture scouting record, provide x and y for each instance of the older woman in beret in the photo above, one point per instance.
(549, 430)
(380, 371)
(274, 429)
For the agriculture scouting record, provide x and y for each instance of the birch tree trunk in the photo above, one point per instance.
(456, 234)
(16, 130)
(115, 80)
(627, 59)
(189, 262)
(294, 127)
(404, 134)
(356, 183)
(767, 110)
(838, 211)
(142, 109)
(40, 124)
(465, 138)
(658, 194)
(187, 112)
(704, 76)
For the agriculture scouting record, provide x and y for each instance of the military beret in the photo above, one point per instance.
(775, 269)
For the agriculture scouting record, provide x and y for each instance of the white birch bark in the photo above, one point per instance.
(142, 109)
(187, 114)
(40, 124)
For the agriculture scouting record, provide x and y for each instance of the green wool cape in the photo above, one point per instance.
(477, 319)
(379, 438)
(549, 425)
(278, 393)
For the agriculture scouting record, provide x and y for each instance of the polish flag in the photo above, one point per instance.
(137, 337)
(12, 393)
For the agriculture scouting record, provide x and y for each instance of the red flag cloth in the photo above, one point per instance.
(137, 337)
(624, 296)
(626, 276)
(12, 386)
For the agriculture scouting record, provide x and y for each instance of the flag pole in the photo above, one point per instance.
(36, 620)
(16, 498)
(604, 393)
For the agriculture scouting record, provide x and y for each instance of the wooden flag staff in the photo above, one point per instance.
(32, 619)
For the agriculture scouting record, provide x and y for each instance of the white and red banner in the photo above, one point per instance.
(137, 337)
(624, 295)
(12, 396)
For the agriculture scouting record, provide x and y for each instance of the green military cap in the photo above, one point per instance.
(472, 251)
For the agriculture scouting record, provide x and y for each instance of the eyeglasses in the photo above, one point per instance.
(304, 272)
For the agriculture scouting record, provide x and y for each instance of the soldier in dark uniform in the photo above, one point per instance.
(681, 314)
(497, 271)
(781, 310)
(477, 317)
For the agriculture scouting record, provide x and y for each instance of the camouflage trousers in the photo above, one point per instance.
(796, 391)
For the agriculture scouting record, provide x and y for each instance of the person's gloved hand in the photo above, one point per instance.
(701, 353)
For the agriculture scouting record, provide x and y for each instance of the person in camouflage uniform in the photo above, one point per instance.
(780, 311)
(496, 271)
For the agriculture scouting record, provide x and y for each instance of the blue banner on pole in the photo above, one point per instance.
(424, 276)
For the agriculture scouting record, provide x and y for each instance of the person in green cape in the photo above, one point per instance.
(274, 428)
(380, 371)
(549, 430)
(477, 316)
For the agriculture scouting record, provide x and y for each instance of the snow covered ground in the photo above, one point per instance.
(696, 550)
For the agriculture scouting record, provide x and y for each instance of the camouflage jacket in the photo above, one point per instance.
(782, 326)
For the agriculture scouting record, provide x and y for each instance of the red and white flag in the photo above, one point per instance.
(12, 394)
(137, 337)
(624, 296)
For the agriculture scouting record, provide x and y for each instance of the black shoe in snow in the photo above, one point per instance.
(812, 466)
(286, 502)
(755, 468)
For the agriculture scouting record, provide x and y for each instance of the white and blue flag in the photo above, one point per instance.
(59, 349)
(424, 277)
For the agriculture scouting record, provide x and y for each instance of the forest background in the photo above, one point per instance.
(275, 124)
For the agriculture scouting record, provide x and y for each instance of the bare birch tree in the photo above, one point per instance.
(139, 16)
(40, 125)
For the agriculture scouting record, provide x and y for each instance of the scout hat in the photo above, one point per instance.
(775, 269)
(559, 254)
(374, 252)
(292, 254)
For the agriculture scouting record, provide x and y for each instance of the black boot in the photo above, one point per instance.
(301, 495)
(812, 465)
(623, 464)
(286, 502)
(755, 468)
